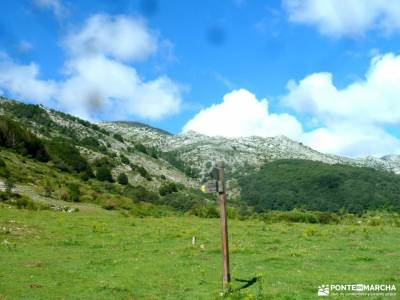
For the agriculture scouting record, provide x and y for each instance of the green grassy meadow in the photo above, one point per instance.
(99, 254)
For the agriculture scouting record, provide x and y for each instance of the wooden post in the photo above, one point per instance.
(226, 276)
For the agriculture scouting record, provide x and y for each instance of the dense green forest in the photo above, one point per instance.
(310, 185)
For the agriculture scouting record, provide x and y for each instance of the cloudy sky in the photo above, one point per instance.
(322, 72)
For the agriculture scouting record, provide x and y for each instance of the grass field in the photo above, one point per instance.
(99, 254)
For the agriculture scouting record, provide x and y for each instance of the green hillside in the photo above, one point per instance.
(71, 160)
(310, 185)
(82, 162)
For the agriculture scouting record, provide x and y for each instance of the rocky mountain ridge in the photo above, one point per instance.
(200, 151)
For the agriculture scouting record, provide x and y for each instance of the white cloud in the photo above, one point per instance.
(21, 81)
(55, 5)
(97, 80)
(241, 114)
(346, 17)
(348, 121)
(353, 118)
(118, 89)
(352, 139)
(374, 99)
(119, 37)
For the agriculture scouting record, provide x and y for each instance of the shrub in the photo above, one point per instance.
(181, 200)
(73, 192)
(27, 203)
(140, 147)
(47, 188)
(62, 194)
(142, 171)
(109, 204)
(104, 162)
(130, 149)
(4, 196)
(118, 137)
(168, 188)
(86, 198)
(2, 163)
(9, 184)
(299, 216)
(24, 142)
(140, 193)
(67, 157)
(22, 201)
(123, 179)
(104, 174)
(327, 218)
(90, 142)
(124, 159)
(204, 211)
(153, 153)
(4, 172)
(85, 176)
(143, 209)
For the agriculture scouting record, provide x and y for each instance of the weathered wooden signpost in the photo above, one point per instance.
(217, 185)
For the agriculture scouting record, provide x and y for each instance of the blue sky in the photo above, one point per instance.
(299, 68)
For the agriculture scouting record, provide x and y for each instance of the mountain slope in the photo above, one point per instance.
(199, 151)
(118, 161)
(94, 143)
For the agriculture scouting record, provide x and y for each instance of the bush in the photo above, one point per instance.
(182, 201)
(27, 203)
(299, 216)
(118, 137)
(123, 179)
(22, 201)
(73, 192)
(86, 198)
(140, 193)
(62, 194)
(67, 157)
(9, 184)
(327, 218)
(85, 176)
(124, 159)
(153, 152)
(104, 162)
(109, 204)
(204, 211)
(90, 142)
(104, 174)
(168, 188)
(2, 163)
(140, 147)
(24, 142)
(144, 209)
(142, 171)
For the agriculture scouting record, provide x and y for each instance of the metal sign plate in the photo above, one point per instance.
(210, 186)
(214, 173)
